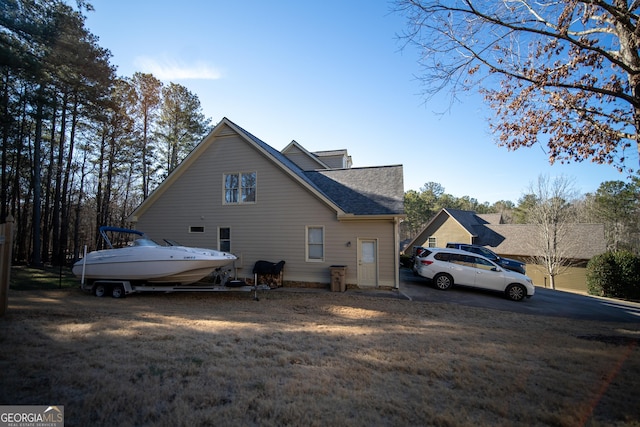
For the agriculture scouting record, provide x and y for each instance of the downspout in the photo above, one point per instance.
(396, 251)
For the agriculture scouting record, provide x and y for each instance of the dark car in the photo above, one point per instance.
(509, 264)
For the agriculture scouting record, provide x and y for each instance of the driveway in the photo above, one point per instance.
(545, 302)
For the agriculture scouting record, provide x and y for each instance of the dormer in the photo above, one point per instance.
(335, 159)
(332, 159)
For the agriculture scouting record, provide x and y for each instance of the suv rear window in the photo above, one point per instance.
(422, 252)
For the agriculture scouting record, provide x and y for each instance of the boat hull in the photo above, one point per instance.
(154, 264)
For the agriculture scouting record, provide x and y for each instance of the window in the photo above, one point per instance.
(484, 264)
(240, 187)
(224, 239)
(315, 243)
(443, 256)
(432, 242)
(480, 251)
(466, 260)
(248, 188)
(196, 229)
(419, 251)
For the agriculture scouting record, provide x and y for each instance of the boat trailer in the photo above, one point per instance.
(120, 288)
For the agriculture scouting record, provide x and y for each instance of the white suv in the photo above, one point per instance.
(447, 267)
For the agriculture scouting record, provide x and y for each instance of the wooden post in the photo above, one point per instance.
(6, 247)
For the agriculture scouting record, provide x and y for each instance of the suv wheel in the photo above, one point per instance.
(443, 281)
(516, 292)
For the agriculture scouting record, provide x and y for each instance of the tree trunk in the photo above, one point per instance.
(78, 211)
(36, 258)
(22, 234)
(65, 211)
(99, 196)
(57, 193)
(145, 167)
(46, 217)
(5, 146)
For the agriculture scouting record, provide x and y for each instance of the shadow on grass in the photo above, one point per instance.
(25, 278)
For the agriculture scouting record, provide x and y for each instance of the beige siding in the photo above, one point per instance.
(574, 279)
(302, 159)
(445, 229)
(450, 231)
(273, 228)
(335, 162)
(340, 253)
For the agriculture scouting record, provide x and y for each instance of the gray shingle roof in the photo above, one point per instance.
(475, 224)
(584, 241)
(359, 191)
(491, 218)
(363, 191)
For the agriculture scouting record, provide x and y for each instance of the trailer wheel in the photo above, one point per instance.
(99, 290)
(117, 291)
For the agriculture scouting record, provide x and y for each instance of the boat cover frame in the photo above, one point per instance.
(106, 228)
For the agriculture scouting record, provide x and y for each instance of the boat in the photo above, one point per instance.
(144, 260)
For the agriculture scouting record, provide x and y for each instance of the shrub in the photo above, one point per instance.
(405, 260)
(614, 274)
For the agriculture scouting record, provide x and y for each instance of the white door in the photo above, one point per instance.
(367, 262)
(463, 270)
(488, 276)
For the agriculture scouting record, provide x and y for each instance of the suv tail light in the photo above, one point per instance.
(426, 262)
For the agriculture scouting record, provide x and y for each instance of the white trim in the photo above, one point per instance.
(360, 279)
(239, 174)
(306, 243)
(219, 240)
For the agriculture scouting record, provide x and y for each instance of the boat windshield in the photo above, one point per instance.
(144, 242)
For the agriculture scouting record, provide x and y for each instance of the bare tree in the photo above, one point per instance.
(553, 214)
(569, 70)
(181, 124)
(148, 90)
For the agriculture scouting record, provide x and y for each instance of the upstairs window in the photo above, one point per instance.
(240, 187)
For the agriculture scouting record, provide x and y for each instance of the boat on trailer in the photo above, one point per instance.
(144, 260)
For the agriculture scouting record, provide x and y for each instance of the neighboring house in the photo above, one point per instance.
(236, 193)
(512, 241)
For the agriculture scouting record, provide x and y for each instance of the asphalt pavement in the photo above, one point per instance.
(545, 302)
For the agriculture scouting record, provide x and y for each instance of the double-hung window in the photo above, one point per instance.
(224, 239)
(240, 187)
(315, 243)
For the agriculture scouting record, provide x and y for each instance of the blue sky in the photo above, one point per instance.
(329, 74)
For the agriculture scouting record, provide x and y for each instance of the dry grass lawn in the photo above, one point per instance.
(311, 359)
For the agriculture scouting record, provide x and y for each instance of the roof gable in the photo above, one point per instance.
(440, 217)
(336, 159)
(295, 150)
(384, 201)
(467, 219)
(586, 240)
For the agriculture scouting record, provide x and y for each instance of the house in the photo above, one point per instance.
(236, 193)
(514, 241)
